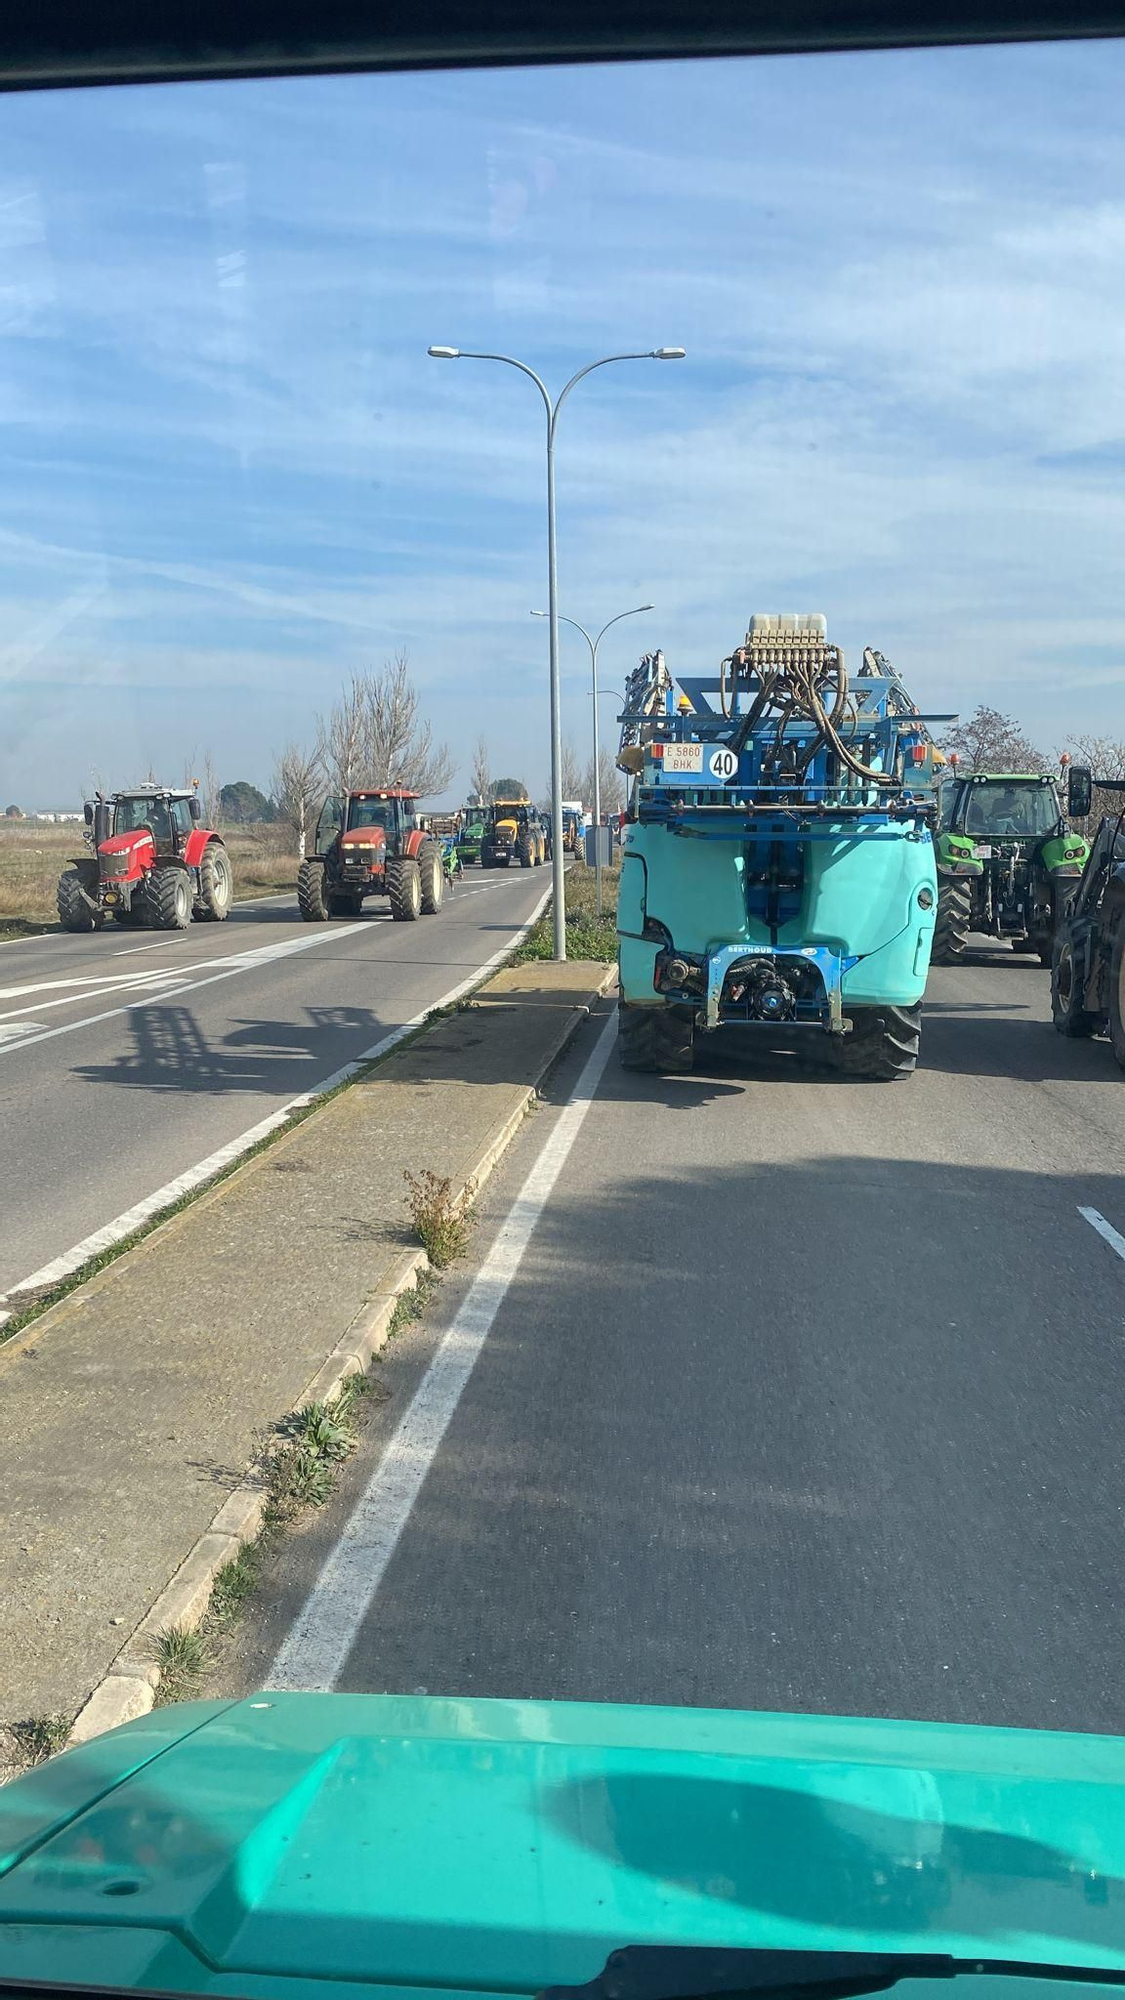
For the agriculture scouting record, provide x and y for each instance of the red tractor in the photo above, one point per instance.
(371, 844)
(151, 863)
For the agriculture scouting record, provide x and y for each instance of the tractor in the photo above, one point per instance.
(1007, 861)
(1088, 966)
(371, 843)
(150, 863)
(468, 841)
(514, 830)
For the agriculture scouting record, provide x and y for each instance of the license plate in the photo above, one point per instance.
(983, 853)
(680, 758)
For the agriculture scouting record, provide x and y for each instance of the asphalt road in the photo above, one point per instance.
(127, 1057)
(806, 1395)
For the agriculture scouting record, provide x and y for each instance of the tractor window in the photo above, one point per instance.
(181, 817)
(371, 812)
(328, 825)
(132, 814)
(1029, 810)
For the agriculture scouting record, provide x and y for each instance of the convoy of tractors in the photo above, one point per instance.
(797, 852)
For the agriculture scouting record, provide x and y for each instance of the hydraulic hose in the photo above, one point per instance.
(807, 686)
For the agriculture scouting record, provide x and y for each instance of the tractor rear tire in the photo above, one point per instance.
(216, 885)
(77, 909)
(883, 1044)
(311, 898)
(432, 880)
(1116, 997)
(1069, 1016)
(951, 931)
(525, 848)
(168, 896)
(404, 888)
(655, 1039)
(487, 857)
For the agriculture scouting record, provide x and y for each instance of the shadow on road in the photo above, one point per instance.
(168, 1051)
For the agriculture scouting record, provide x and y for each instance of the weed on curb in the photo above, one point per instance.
(410, 1305)
(32, 1741)
(181, 1656)
(442, 1220)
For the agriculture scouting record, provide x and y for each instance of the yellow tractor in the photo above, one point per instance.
(513, 831)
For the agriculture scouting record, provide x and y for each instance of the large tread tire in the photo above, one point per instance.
(525, 849)
(883, 1044)
(168, 896)
(404, 888)
(77, 909)
(954, 912)
(312, 900)
(216, 885)
(487, 858)
(655, 1039)
(1116, 996)
(1069, 1016)
(432, 880)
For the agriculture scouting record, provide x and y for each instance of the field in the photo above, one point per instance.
(33, 856)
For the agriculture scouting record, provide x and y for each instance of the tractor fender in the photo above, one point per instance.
(416, 840)
(197, 841)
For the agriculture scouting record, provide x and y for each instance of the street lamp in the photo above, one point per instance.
(593, 645)
(552, 411)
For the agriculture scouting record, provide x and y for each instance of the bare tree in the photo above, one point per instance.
(612, 785)
(340, 733)
(1105, 758)
(989, 741)
(375, 735)
(211, 790)
(480, 774)
(571, 772)
(297, 788)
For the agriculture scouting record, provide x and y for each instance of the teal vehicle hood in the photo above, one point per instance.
(308, 1844)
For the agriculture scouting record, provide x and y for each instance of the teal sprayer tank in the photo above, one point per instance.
(778, 864)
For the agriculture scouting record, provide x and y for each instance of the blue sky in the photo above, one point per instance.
(230, 475)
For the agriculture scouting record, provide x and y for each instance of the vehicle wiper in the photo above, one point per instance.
(688, 1972)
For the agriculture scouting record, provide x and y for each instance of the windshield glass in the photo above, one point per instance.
(1011, 809)
(133, 813)
(370, 812)
(657, 1271)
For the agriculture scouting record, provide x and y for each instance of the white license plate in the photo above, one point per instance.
(983, 853)
(680, 758)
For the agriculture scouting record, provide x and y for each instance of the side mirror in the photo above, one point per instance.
(195, 806)
(88, 813)
(1079, 791)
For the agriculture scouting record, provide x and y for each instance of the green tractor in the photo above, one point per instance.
(1007, 861)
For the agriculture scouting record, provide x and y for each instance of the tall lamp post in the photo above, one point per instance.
(552, 409)
(593, 645)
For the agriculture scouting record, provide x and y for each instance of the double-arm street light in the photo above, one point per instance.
(593, 645)
(552, 408)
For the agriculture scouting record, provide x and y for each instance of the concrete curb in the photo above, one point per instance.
(128, 1689)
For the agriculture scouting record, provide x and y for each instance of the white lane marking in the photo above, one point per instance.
(1105, 1230)
(316, 1650)
(234, 963)
(110, 979)
(143, 1211)
(126, 982)
(130, 950)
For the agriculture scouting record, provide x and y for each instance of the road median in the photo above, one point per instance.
(137, 1405)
